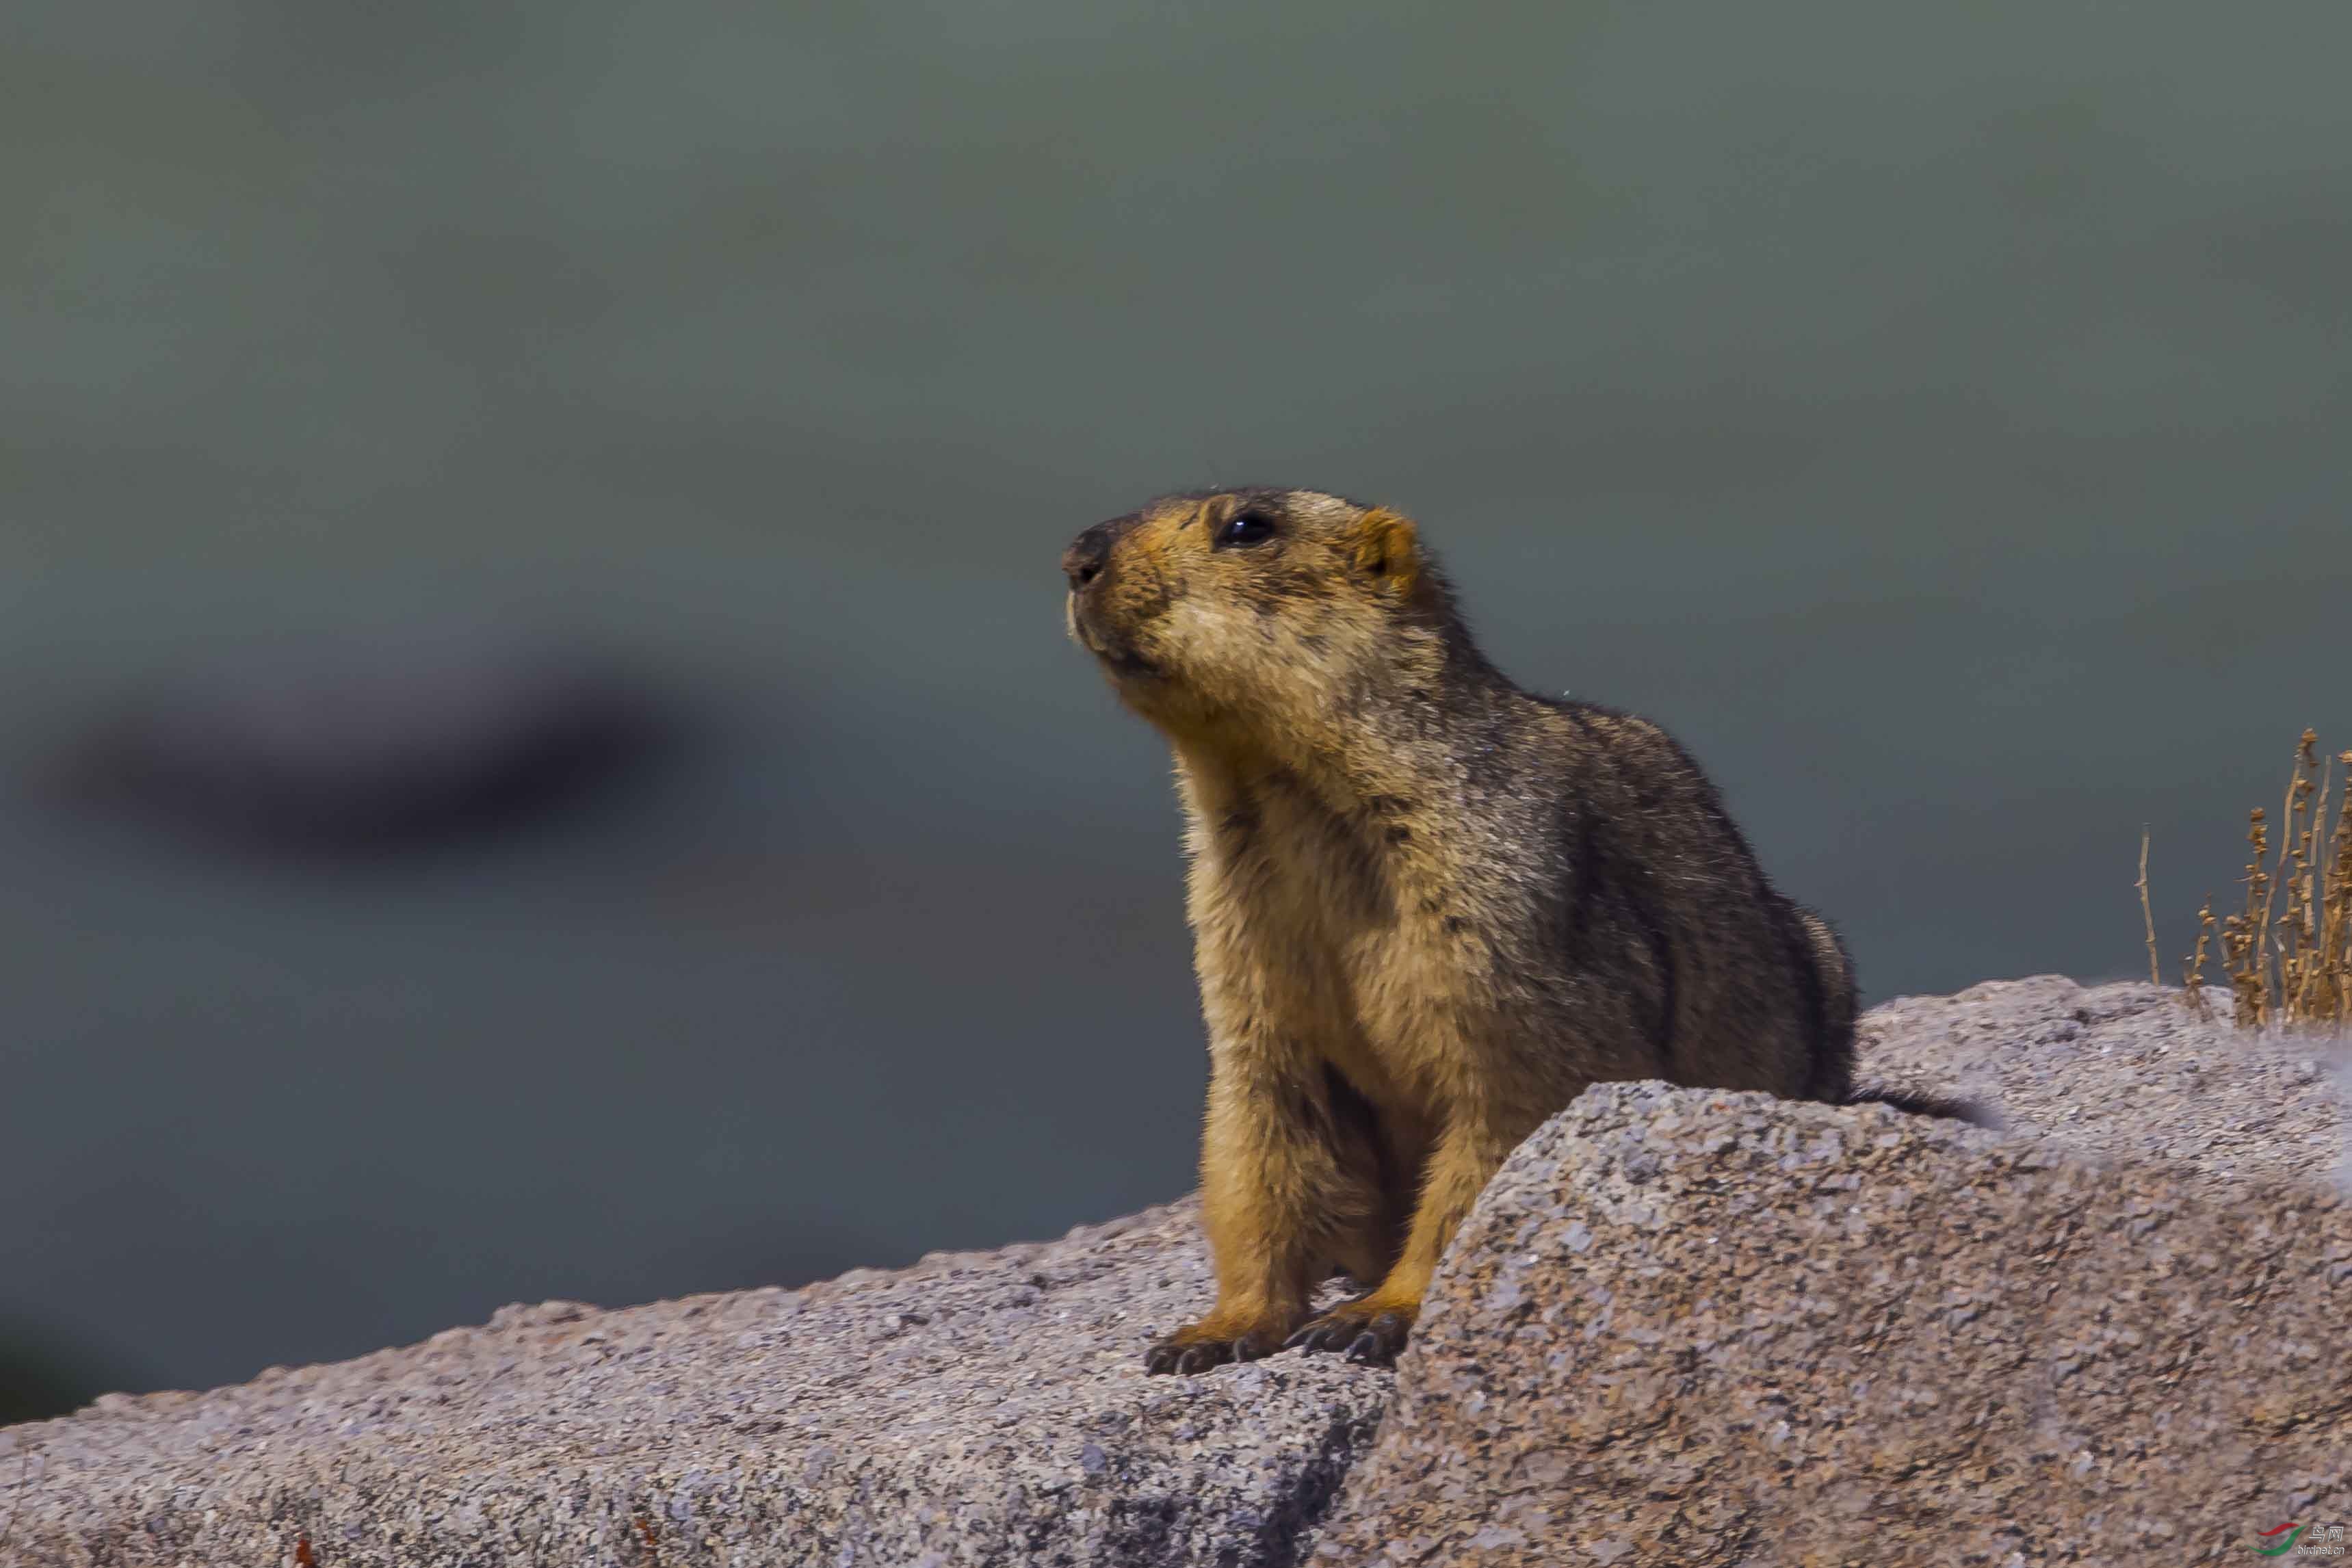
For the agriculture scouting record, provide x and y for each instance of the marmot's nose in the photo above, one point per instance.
(1084, 560)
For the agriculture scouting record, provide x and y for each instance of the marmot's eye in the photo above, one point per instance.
(1244, 528)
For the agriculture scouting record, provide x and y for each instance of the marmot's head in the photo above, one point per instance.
(1252, 606)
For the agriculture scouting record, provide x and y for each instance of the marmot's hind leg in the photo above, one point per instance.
(1374, 1327)
(1369, 1228)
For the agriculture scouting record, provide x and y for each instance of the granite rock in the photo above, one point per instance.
(2124, 1072)
(1688, 1327)
(1681, 1327)
(978, 1408)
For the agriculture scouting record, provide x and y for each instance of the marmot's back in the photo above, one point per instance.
(1750, 990)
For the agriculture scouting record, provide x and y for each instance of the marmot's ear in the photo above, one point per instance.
(1387, 548)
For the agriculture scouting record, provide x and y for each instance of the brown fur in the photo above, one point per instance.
(1429, 907)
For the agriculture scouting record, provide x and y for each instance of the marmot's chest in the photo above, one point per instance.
(1363, 926)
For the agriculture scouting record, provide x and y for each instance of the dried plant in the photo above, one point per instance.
(2193, 974)
(2241, 934)
(2332, 987)
(2287, 953)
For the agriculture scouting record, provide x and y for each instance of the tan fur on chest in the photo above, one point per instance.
(1333, 919)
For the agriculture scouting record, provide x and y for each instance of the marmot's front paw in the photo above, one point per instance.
(1369, 1330)
(1199, 1346)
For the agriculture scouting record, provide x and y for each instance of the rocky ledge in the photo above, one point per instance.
(1682, 1326)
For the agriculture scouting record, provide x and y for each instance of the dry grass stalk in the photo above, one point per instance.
(2332, 993)
(2148, 915)
(2298, 935)
(2294, 811)
(2287, 951)
(2193, 974)
(2241, 934)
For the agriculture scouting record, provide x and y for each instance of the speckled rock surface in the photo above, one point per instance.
(2124, 1072)
(981, 1408)
(1684, 1327)
(1681, 1328)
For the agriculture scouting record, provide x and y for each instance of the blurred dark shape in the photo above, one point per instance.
(356, 748)
(43, 1374)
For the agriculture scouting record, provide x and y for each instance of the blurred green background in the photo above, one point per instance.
(1936, 414)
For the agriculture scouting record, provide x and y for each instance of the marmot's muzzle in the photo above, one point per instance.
(1089, 553)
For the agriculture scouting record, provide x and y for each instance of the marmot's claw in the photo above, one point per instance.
(1172, 1355)
(1372, 1341)
(1322, 1334)
(1382, 1339)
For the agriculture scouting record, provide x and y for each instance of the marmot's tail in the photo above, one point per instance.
(1835, 1008)
(1967, 1110)
(1833, 1056)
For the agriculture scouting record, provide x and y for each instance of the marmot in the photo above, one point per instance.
(1429, 907)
